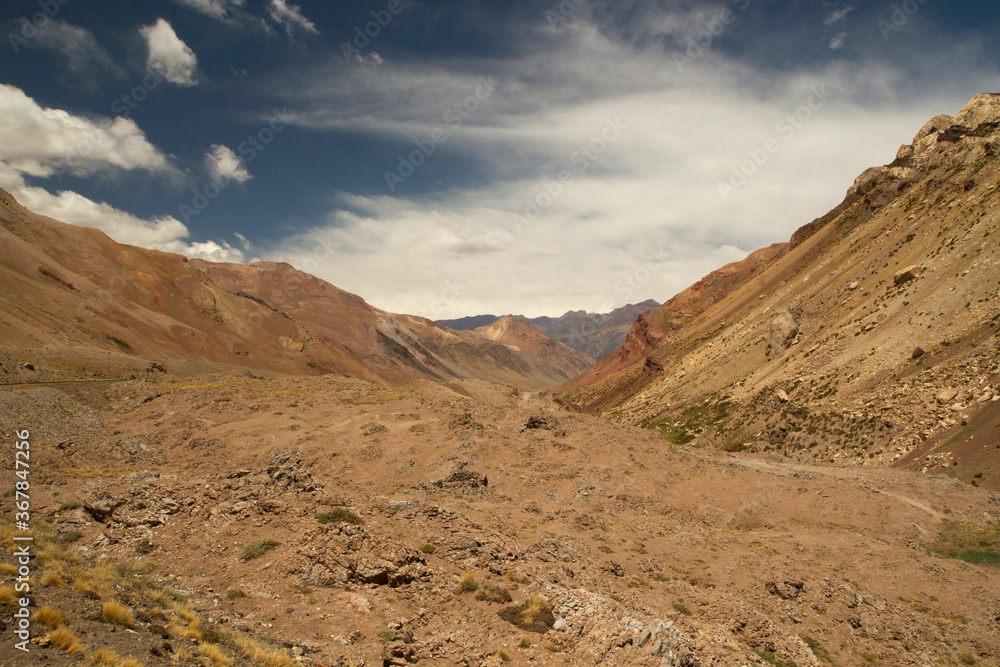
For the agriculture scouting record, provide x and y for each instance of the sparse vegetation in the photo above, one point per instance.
(534, 614)
(51, 578)
(257, 652)
(427, 548)
(339, 515)
(144, 546)
(503, 655)
(468, 583)
(490, 592)
(683, 609)
(257, 549)
(117, 614)
(65, 639)
(50, 617)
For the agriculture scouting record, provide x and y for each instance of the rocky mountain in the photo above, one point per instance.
(74, 301)
(594, 334)
(870, 338)
(548, 355)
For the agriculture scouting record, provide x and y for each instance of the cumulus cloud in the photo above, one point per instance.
(43, 142)
(224, 165)
(646, 216)
(169, 55)
(38, 142)
(290, 16)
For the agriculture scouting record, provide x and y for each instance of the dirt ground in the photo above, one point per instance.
(350, 524)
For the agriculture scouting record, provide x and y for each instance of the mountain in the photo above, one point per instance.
(549, 357)
(594, 334)
(871, 337)
(72, 300)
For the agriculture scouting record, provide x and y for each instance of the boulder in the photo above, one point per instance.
(784, 329)
(946, 396)
(906, 275)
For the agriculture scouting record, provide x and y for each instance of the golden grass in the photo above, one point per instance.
(212, 652)
(117, 614)
(7, 597)
(107, 658)
(50, 617)
(65, 639)
(191, 630)
(8, 569)
(51, 578)
(257, 653)
(534, 608)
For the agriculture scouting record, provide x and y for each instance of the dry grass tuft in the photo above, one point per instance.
(65, 639)
(51, 578)
(7, 597)
(117, 614)
(213, 653)
(50, 617)
(257, 653)
(468, 584)
(107, 658)
(490, 592)
(534, 614)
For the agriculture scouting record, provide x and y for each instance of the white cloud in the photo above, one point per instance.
(837, 16)
(838, 40)
(218, 9)
(290, 16)
(224, 165)
(168, 55)
(41, 143)
(655, 188)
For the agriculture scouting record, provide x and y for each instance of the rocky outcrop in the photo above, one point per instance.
(784, 329)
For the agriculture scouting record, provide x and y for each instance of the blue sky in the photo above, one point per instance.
(468, 157)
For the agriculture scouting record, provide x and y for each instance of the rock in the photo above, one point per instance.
(784, 329)
(559, 625)
(643, 637)
(946, 396)
(917, 353)
(540, 422)
(657, 645)
(854, 285)
(786, 590)
(906, 275)
(782, 396)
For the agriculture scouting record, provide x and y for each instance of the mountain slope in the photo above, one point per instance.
(550, 357)
(814, 351)
(74, 299)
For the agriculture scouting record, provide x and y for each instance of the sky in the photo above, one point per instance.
(450, 158)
